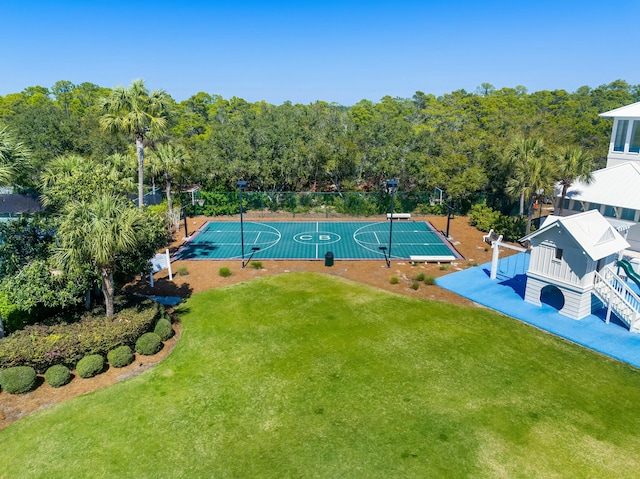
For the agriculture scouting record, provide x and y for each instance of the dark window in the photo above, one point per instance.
(621, 135)
(628, 214)
(634, 145)
(609, 211)
(558, 253)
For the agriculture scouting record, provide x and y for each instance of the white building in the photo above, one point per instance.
(625, 136)
(566, 253)
(615, 190)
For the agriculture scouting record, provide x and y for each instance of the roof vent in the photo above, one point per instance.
(606, 237)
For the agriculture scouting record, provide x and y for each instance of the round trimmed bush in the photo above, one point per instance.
(57, 375)
(120, 357)
(18, 379)
(148, 344)
(90, 365)
(163, 329)
(225, 272)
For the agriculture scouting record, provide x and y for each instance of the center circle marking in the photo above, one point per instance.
(317, 237)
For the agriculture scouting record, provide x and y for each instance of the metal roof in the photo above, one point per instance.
(590, 230)
(17, 204)
(628, 111)
(617, 186)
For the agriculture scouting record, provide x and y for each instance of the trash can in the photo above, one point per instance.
(328, 258)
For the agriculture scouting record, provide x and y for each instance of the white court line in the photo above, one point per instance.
(257, 237)
(376, 235)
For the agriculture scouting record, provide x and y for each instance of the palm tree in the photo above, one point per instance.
(520, 152)
(73, 177)
(169, 161)
(573, 164)
(14, 157)
(532, 176)
(97, 232)
(136, 111)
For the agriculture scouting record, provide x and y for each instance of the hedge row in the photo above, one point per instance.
(41, 346)
(22, 379)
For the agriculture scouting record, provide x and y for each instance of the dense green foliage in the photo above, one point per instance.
(42, 346)
(485, 218)
(457, 141)
(90, 366)
(18, 380)
(120, 357)
(148, 344)
(57, 375)
(12, 317)
(337, 379)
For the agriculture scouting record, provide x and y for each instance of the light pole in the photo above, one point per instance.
(392, 186)
(241, 184)
(184, 211)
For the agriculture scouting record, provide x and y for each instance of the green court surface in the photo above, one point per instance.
(347, 240)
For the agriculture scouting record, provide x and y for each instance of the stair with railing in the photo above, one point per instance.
(618, 298)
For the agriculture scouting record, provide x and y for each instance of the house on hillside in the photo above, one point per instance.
(615, 190)
(566, 255)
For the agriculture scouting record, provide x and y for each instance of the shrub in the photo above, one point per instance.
(57, 375)
(444, 267)
(120, 357)
(13, 319)
(224, 272)
(415, 285)
(512, 228)
(182, 271)
(90, 365)
(41, 346)
(163, 329)
(483, 217)
(18, 380)
(430, 280)
(256, 264)
(394, 280)
(148, 344)
(419, 277)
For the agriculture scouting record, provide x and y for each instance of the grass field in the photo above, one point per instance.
(306, 375)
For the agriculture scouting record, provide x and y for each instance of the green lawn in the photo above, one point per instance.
(306, 375)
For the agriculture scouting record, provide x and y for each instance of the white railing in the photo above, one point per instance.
(618, 297)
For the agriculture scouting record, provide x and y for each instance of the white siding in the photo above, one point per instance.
(577, 303)
(570, 269)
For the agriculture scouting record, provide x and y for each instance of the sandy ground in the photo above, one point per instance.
(203, 275)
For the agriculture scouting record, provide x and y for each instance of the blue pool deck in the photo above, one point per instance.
(506, 295)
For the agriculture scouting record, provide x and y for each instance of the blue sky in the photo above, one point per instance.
(304, 51)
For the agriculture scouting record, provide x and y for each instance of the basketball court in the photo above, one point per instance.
(347, 240)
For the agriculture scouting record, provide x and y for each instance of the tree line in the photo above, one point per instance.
(458, 141)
